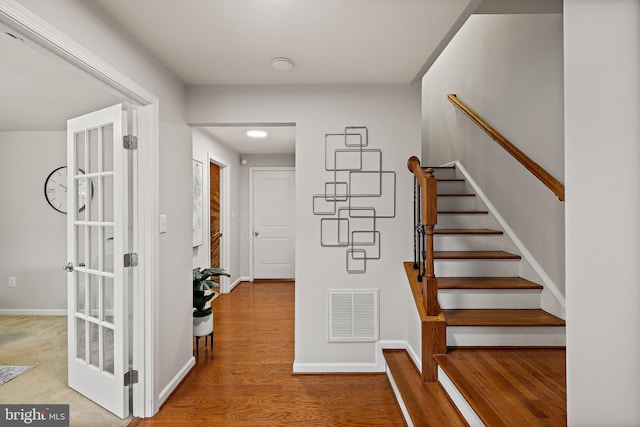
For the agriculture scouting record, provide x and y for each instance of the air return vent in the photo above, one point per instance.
(353, 315)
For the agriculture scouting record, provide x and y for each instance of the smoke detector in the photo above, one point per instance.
(282, 64)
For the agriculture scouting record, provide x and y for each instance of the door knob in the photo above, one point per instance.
(69, 267)
(255, 233)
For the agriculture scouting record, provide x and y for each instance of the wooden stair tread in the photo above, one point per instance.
(501, 317)
(428, 404)
(450, 179)
(511, 387)
(438, 167)
(474, 255)
(486, 283)
(474, 212)
(466, 231)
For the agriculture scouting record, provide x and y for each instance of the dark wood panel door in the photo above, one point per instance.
(214, 213)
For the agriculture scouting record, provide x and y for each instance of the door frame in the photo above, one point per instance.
(252, 171)
(225, 209)
(145, 346)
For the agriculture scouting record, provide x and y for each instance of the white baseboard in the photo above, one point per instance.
(400, 400)
(334, 368)
(224, 290)
(237, 282)
(33, 312)
(458, 399)
(379, 365)
(544, 277)
(175, 381)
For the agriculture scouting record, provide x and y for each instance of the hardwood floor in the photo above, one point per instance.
(247, 379)
(511, 387)
(427, 403)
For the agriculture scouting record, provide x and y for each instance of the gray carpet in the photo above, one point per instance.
(7, 373)
(41, 341)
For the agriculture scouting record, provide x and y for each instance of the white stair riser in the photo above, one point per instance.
(452, 187)
(489, 298)
(516, 336)
(479, 268)
(459, 203)
(447, 242)
(463, 221)
(447, 173)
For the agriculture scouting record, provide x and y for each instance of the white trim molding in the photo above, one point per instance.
(44, 35)
(238, 281)
(176, 380)
(458, 399)
(378, 365)
(33, 312)
(399, 399)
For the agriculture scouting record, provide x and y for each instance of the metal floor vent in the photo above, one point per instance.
(353, 315)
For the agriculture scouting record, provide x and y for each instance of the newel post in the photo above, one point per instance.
(430, 219)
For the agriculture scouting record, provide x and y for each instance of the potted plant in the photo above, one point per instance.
(203, 292)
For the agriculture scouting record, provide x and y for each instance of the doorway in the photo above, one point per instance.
(26, 27)
(218, 244)
(214, 214)
(272, 199)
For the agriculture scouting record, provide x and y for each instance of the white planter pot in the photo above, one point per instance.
(202, 326)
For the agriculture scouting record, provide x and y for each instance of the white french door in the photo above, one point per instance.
(97, 240)
(274, 224)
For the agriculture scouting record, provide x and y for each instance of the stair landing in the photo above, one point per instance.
(511, 387)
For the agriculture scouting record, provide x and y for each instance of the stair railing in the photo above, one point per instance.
(425, 215)
(545, 177)
(433, 324)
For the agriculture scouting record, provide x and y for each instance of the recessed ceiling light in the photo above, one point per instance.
(256, 133)
(282, 64)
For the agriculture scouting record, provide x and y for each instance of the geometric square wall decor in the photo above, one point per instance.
(358, 194)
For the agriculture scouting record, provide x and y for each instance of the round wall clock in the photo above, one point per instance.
(55, 190)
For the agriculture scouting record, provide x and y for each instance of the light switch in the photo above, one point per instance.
(163, 224)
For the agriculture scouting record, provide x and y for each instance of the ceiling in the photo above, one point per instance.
(232, 42)
(279, 139)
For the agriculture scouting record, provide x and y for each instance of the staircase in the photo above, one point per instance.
(485, 302)
(492, 316)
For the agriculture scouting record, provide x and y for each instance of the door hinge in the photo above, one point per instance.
(131, 259)
(130, 142)
(130, 377)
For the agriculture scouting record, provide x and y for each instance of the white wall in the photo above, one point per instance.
(508, 68)
(90, 26)
(205, 147)
(33, 238)
(602, 151)
(392, 114)
(254, 160)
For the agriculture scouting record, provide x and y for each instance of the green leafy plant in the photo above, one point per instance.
(202, 286)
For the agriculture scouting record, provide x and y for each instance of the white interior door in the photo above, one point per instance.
(97, 239)
(274, 224)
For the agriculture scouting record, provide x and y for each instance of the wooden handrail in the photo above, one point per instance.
(545, 177)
